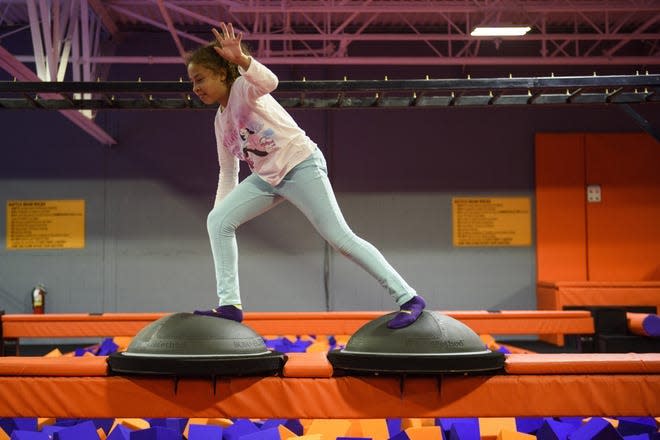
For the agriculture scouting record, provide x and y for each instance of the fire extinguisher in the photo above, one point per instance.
(38, 299)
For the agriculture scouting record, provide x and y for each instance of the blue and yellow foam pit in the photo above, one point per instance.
(18, 434)
(636, 425)
(554, 430)
(596, 428)
(238, 429)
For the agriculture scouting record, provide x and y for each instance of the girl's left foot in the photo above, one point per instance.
(408, 313)
(227, 312)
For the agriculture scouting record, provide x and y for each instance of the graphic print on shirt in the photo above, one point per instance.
(255, 142)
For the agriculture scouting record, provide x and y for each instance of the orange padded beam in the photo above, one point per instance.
(340, 397)
(65, 366)
(583, 363)
(274, 323)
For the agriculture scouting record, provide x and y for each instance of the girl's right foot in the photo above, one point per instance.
(227, 312)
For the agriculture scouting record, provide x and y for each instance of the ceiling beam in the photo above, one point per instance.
(21, 72)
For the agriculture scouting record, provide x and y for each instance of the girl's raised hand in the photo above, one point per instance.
(229, 43)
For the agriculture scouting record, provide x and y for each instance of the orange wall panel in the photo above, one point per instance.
(560, 207)
(623, 239)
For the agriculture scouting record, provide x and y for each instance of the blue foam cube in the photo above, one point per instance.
(554, 430)
(120, 432)
(52, 429)
(205, 432)
(596, 428)
(18, 434)
(155, 433)
(81, 431)
(464, 431)
(401, 435)
(575, 421)
(107, 347)
(638, 437)
(26, 423)
(263, 434)
(272, 423)
(528, 425)
(393, 426)
(104, 424)
(636, 425)
(240, 428)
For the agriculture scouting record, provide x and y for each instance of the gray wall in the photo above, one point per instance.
(395, 172)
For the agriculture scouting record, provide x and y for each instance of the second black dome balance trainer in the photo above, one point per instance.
(433, 344)
(184, 344)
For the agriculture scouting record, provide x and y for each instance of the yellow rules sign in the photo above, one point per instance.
(45, 224)
(498, 221)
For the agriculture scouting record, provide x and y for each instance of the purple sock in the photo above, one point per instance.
(226, 312)
(408, 313)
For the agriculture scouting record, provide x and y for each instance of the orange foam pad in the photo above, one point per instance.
(557, 294)
(273, 323)
(583, 363)
(337, 397)
(314, 364)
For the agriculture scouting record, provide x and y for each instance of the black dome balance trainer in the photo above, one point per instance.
(184, 344)
(433, 344)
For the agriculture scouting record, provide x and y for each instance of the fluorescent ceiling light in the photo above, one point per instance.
(500, 31)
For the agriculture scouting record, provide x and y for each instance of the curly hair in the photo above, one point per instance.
(207, 56)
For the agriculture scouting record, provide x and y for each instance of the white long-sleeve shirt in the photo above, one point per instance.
(254, 127)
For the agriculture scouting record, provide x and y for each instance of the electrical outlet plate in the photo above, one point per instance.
(593, 194)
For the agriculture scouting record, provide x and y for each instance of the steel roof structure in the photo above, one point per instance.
(69, 36)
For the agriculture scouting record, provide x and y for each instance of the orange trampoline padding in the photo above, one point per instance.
(339, 397)
(66, 366)
(273, 323)
(583, 363)
(307, 365)
(64, 325)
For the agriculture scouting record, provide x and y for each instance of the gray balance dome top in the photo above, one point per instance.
(435, 343)
(184, 344)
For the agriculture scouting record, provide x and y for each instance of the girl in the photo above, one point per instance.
(250, 125)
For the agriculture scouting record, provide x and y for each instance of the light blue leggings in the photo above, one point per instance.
(308, 188)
